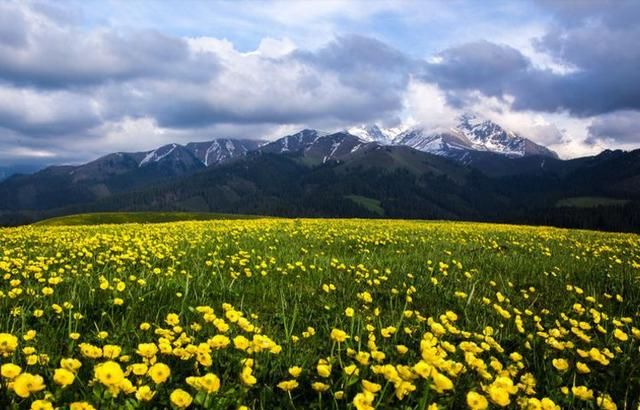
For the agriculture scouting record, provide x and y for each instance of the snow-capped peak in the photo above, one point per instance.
(472, 133)
(375, 133)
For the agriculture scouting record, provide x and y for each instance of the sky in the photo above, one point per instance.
(80, 79)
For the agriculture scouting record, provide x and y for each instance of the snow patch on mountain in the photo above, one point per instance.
(375, 133)
(158, 154)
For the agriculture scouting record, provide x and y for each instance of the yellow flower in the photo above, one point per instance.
(247, 376)
(582, 392)
(288, 385)
(560, 364)
(81, 405)
(388, 331)
(349, 312)
(8, 344)
(172, 319)
(70, 364)
(144, 393)
(159, 373)
(605, 403)
(63, 377)
(402, 388)
(364, 401)
(402, 349)
(111, 351)
(147, 350)
(441, 382)
(548, 404)
(219, 342)
(363, 358)
(41, 405)
(241, 342)
(90, 351)
(319, 386)
(620, 335)
(139, 369)
(10, 370)
(352, 370)
(210, 383)
(32, 360)
(582, 368)
(27, 383)
(109, 373)
(30, 335)
(295, 371)
(323, 368)
(499, 396)
(338, 335)
(180, 398)
(476, 401)
(370, 386)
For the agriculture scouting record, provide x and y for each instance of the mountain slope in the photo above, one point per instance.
(60, 186)
(221, 150)
(407, 183)
(293, 143)
(8, 171)
(313, 147)
(446, 144)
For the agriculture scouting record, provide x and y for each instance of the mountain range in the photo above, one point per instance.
(470, 134)
(477, 170)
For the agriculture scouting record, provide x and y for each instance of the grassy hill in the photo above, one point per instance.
(103, 218)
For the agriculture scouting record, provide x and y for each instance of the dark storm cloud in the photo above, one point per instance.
(597, 42)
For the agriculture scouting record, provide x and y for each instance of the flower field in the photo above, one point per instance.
(310, 314)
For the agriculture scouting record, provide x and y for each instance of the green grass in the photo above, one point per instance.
(370, 204)
(287, 275)
(103, 218)
(590, 202)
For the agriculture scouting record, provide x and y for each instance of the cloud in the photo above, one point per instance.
(46, 114)
(80, 86)
(271, 88)
(58, 80)
(482, 65)
(426, 105)
(621, 127)
(597, 45)
(39, 51)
